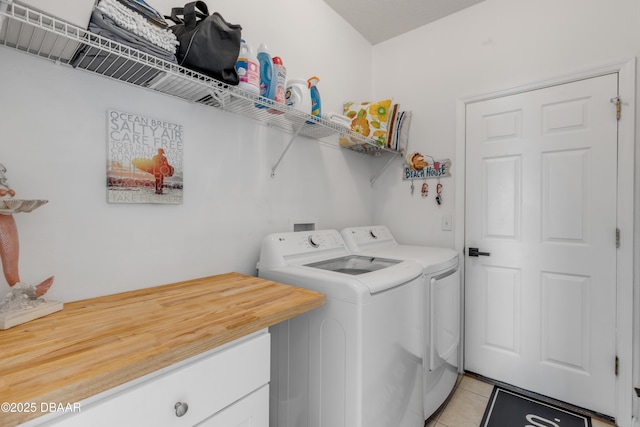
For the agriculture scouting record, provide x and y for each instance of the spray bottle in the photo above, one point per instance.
(316, 108)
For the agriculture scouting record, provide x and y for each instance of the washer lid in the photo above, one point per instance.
(354, 264)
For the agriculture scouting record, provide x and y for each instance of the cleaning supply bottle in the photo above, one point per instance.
(297, 95)
(248, 68)
(280, 73)
(316, 108)
(267, 86)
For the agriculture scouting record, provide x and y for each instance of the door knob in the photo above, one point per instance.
(476, 252)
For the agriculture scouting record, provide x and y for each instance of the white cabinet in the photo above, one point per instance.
(226, 388)
(252, 411)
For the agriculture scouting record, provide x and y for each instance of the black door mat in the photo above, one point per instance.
(509, 409)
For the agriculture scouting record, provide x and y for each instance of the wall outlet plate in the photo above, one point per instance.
(447, 222)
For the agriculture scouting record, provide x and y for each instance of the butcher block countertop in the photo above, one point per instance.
(97, 344)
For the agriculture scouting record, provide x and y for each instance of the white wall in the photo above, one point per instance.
(53, 144)
(493, 45)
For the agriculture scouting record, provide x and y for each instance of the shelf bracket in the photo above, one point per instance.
(216, 94)
(293, 138)
(376, 176)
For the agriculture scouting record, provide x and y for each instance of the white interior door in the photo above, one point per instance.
(541, 200)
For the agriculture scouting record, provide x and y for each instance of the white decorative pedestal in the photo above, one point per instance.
(13, 318)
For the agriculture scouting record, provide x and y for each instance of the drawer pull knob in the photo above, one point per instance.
(181, 408)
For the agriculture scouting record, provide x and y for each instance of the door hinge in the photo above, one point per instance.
(617, 365)
(618, 103)
(617, 238)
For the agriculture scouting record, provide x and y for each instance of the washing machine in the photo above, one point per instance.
(440, 305)
(357, 360)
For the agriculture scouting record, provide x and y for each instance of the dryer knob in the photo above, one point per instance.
(313, 241)
(373, 234)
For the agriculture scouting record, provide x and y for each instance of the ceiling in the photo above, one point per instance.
(380, 20)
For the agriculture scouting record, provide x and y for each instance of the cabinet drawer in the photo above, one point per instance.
(206, 385)
(252, 411)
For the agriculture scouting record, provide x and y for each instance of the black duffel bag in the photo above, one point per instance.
(208, 43)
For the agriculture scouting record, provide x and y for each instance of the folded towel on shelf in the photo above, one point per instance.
(149, 13)
(369, 119)
(138, 25)
(104, 26)
(400, 135)
(391, 127)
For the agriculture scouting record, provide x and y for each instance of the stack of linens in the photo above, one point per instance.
(132, 23)
(380, 121)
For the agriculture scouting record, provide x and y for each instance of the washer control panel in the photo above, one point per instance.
(356, 236)
(305, 242)
(316, 240)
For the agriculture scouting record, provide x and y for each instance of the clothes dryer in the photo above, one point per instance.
(357, 360)
(440, 305)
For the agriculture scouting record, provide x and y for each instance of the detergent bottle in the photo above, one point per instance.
(248, 68)
(297, 95)
(279, 81)
(316, 108)
(267, 84)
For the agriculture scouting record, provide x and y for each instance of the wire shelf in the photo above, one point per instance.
(35, 33)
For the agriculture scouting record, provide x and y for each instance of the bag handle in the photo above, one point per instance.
(191, 15)
(190, 12)
(174, 15)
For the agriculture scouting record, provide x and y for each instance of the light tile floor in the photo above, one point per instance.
(466, 406)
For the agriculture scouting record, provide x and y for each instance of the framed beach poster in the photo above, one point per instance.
(144, 159)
